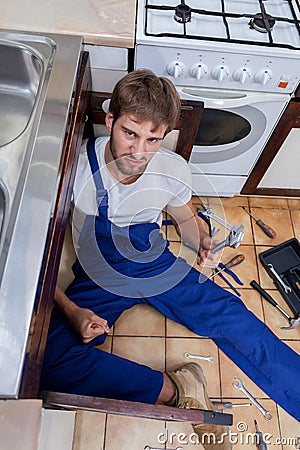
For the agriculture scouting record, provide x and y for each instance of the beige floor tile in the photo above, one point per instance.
(246, 271)
(174, 329)
(243, 428)
(176, 348)
(293, 203)
(180, 435)
(197, 200)
(268, 202)
(279, 220)
(229, 371)
(253, 302)
(296, 223)
(236, 216)
(295, 345)
(141, 320)
(143, 350)
(172, 234)
(130, 433)
(238, 200)
(106, 347)
(89, 430)
(290, 430)
(275, 320)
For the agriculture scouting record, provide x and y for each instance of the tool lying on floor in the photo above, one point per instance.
(294, 322)
(156, 448)
(231, 273)
(232, 263)
(229, 284)
(235, 235)
(266, 229)
(152, 448)
(220, 406)
(238, 384)
(203, 358)
(260, 443)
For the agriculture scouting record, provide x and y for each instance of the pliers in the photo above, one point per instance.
(231, 273)
(228, 283)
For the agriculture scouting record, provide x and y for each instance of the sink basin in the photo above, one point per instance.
(20, 75)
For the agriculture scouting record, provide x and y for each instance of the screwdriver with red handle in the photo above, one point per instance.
(232, 263)
(266, 229)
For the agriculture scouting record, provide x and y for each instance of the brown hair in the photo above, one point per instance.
(147, 97)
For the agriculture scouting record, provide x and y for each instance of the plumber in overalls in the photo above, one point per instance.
(123, 183)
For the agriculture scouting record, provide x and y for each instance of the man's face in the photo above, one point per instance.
(132, 143)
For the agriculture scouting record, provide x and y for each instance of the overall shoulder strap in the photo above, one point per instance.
(92, 157)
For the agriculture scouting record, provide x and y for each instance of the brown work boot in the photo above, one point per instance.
(191, 386)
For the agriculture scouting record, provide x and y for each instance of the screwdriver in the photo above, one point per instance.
(232, 263)
(266, 229)
(228, 405)
(260, 443)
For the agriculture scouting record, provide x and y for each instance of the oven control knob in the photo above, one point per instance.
(220, 72)
(198, 71)
(175, 69)
(242, 74)
(263, 76)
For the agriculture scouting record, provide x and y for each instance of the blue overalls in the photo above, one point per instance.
(118, 268)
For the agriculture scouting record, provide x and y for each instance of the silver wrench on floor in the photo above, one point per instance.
(203, 358)
(286, 288)
(151, 448)
(239, 385)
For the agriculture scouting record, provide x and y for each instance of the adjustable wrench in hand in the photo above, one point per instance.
(236, 233)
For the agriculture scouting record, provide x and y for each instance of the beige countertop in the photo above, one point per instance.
(100, 22)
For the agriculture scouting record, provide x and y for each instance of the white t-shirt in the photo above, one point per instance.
(166, 181)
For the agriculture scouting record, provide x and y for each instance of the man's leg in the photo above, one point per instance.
(211, 311)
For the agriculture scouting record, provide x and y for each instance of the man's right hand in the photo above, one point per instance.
(87, 324)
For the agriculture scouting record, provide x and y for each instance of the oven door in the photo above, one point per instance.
(234, 129)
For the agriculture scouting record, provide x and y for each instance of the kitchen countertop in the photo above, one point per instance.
(100, 22)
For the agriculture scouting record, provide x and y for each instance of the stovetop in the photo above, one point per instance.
(269, 23)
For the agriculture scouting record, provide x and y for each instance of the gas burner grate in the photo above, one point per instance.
(261, 22)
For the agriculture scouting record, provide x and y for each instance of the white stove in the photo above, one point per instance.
(242, 59)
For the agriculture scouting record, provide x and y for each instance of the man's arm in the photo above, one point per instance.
(87, 324)
(189, 227)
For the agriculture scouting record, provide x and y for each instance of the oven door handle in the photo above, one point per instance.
(217, 99)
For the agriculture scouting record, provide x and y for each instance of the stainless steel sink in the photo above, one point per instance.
(21, 71)
(26, 65)
(37, 80)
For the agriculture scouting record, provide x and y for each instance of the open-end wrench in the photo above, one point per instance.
(203, 358)
(239, 385)
(286, 288)
(151, 448)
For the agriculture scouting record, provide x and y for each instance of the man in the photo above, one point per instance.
(122, 184)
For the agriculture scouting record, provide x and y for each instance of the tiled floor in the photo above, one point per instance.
(144, 335)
